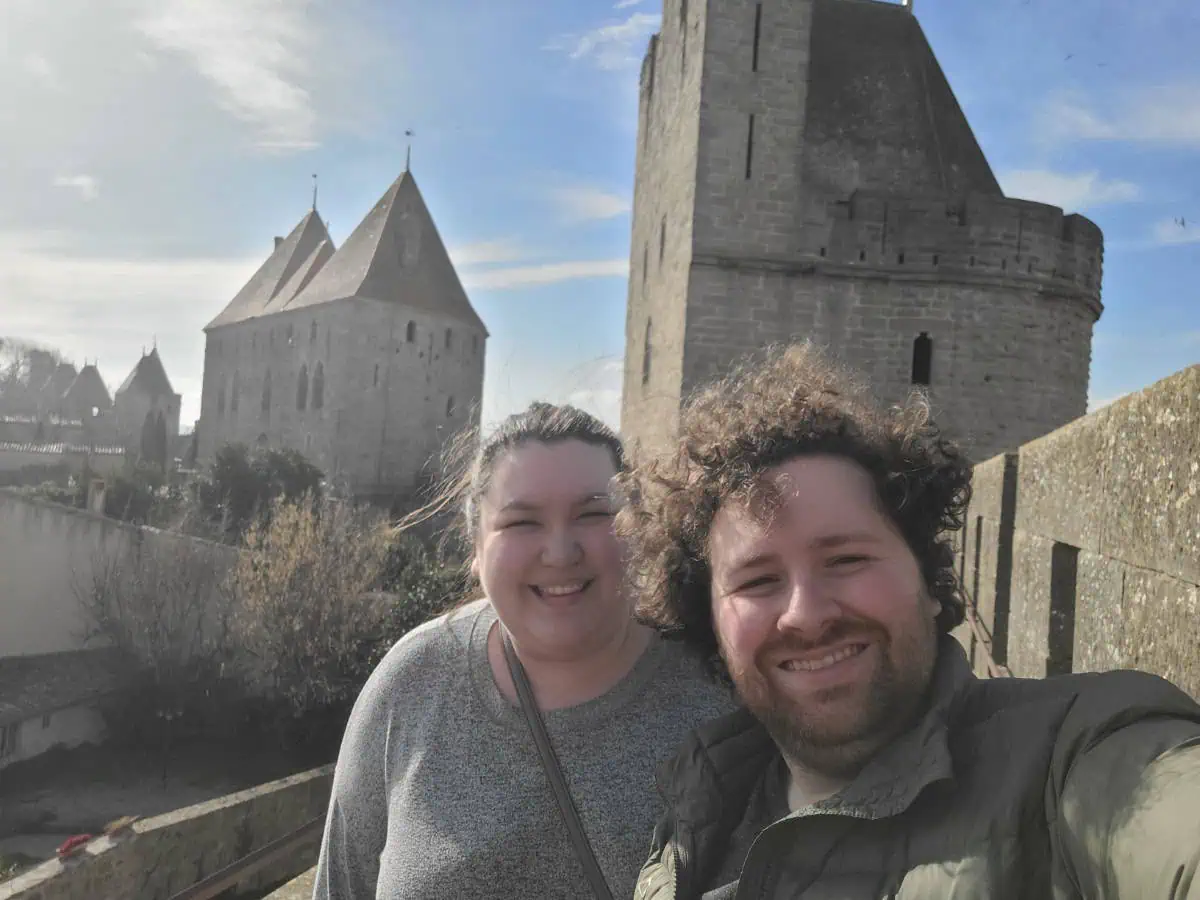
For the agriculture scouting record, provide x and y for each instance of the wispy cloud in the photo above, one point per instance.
(41, 69)
(1163, 114)
(482, 253)
(86, 185)
(1070, 191)
(1177, 231)
(611, 47)
(255, 53)
(596, 388)
(585, 204)
(545, 273)
(625, 4)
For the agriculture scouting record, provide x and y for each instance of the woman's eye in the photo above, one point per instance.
(597, 514)
(518, 523)
(843, 561)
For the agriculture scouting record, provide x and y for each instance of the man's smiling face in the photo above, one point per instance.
(821, 614)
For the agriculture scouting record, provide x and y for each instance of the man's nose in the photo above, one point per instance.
(811, 605)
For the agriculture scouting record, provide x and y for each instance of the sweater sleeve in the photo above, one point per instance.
(357, 821)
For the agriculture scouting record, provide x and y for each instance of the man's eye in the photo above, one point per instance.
(517, 523)
(763, 581)
(597, 513)
(843, 561)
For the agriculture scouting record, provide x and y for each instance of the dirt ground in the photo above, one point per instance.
(79, 791)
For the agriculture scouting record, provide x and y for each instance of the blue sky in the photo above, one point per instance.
(154, 147)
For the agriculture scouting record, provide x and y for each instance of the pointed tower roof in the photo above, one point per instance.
(58, 382)
(395, 255)
(87, 391)
(148, 377)
(291, 255)
(880, 113)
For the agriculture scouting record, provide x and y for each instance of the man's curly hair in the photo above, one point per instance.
(791, 402)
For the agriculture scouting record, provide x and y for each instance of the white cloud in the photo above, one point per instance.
(1177, 231)
(88, 187)
(109, 308)
(255, 53)
(585, 204)
(611, 47)
(1163, 114)
(625, 4)
(1070, 191)
(40, 68)
(596, 388)
(482, 253)
(546, 273)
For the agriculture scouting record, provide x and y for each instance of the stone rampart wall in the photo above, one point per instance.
(1083, 548)
(162, 856)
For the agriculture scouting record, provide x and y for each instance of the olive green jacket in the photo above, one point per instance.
(1082, 786)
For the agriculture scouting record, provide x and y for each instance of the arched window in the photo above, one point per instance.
(449, 338)
(449, 407)
(266, 395)
(221, 398)
(318, 386)
(302, 389)
(647, 350)
(376, 381)
(410, 333)
(922, 359)
(662, 239)
(233, 395)
(312, 332)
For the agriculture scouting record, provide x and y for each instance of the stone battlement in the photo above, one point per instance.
(988, 236)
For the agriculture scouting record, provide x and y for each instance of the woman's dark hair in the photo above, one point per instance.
(471, 458)
(791, 402)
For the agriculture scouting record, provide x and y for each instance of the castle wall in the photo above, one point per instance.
(49, 552)
(388, 401)
(163, 855)
(1102, 526)
(662, 232)
(1007, 365)
(789, 239)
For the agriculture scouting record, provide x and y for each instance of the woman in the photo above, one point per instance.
(440, 791)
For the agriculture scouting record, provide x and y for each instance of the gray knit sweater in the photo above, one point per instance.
(439, 791)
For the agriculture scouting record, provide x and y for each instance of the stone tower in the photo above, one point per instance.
(804, 171)
(366, 358)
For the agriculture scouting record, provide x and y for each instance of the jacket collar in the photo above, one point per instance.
(715, 771)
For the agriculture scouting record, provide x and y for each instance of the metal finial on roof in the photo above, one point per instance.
(314, 206)
(408, 153)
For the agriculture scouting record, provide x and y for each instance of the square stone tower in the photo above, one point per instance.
(804, 171)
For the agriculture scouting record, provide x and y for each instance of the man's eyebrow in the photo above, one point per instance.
(825, 542)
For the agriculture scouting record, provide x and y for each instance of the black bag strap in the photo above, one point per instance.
(554, 773)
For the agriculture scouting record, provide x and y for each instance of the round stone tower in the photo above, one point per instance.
(829, 187)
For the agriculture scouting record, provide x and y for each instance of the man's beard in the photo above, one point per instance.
(835, 739)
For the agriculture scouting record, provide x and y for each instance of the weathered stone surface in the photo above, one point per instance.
(808, 174)
(1120, 489)
(168, 853)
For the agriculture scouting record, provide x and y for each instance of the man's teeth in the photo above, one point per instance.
(829, 659)
(561, 590)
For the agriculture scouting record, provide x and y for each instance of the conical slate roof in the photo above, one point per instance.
(395, 255)
(56, 385)
(148, 377)
(296, 252)
(880, 113)
(87, 391)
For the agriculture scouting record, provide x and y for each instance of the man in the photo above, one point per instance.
(797, 537)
